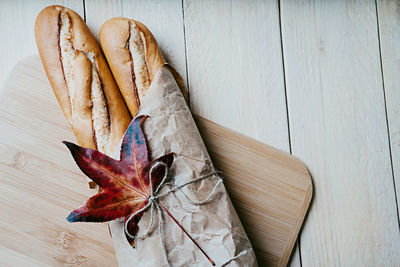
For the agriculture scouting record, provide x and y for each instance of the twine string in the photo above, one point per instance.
(243, 252)
(153, 205)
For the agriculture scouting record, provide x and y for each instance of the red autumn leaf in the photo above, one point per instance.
(125, 182)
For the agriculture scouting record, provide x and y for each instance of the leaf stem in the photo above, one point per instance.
(173, 218)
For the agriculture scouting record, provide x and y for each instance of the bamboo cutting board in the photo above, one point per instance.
(40, 184)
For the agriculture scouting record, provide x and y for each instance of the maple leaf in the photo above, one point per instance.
(125, 183)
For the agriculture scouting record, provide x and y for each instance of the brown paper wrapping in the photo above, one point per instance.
(215, 225)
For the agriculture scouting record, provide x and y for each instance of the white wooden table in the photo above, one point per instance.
(319, 79)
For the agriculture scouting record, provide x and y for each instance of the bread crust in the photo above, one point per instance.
(47, 39)
(88, 57)
(114, 40)
(82, 122)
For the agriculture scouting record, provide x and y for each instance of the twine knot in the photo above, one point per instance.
(153, 204)
(152, 198)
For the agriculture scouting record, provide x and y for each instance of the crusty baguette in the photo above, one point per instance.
(81, 79)
(133, 56)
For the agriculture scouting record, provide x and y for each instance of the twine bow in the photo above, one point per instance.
(154, 205)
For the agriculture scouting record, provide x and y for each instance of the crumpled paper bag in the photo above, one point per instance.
(215, 225)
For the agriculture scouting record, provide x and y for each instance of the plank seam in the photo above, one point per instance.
(287, 111)
(186, 58)
(84, 10)
(284, 76)
(386, 113)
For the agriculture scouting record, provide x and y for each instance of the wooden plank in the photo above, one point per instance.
(16, 28)
(338, 127)
(235, 67)
(389, 29)
(163, 18)
(271, 190)
(234, 57)
(99, 11)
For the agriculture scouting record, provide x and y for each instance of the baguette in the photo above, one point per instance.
(150, 87)
(81, 79)
(134, 58)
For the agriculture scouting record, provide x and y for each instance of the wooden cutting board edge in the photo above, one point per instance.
(205, 124)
